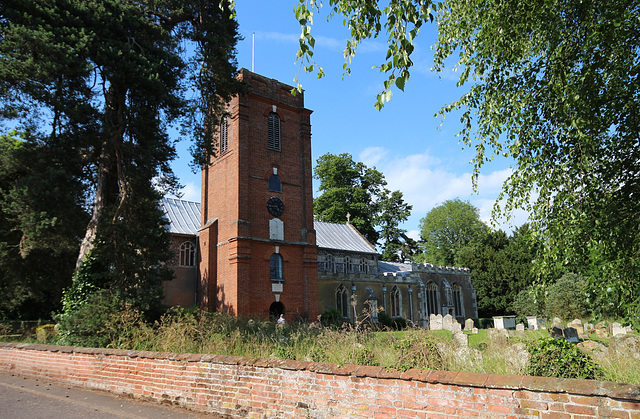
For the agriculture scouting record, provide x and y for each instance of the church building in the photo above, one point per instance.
(252, 248)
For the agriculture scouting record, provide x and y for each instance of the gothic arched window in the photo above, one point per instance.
(274, 131)
(432, 298)
(187, 254)
(342, 301)
(457, 300)
(395, 302)
(275, 267)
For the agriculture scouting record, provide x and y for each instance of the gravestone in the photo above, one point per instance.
(496, 335)
(556, 322)
(461, 339)
(520, 327)
(435, 322)
(556, 332)
(447, 322)
(602, 330)
(468, 325)
(577, 324)
(535, 322)
(456, 327)
(571, 335)
(617, 329)
(474, 330)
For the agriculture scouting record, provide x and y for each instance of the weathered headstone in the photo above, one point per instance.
(461, 339)
(571, 335)
(556, 322)
(520, 327)
(468, 325)
(496, 335)
(435, 322)
(617, 329)
(456, 327)
(602, 330)
(474, 330)
(447, 322)
(577, 324)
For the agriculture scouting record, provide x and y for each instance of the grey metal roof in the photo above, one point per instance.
(393, 267)
(183, 216)
(341, 237)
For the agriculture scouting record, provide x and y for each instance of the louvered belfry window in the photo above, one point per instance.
(274, 131)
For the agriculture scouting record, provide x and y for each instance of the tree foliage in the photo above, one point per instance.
(501, 268)
(352, 191)
(109, 79)
(554, 85)
(447, 229)
(41, 221)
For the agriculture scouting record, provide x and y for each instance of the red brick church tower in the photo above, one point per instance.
(257, 241)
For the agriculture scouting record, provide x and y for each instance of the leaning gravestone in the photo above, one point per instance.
(435, 322)
(447, 322)
(556, 322)
(468, 325)
(571, 335)
(456, 327)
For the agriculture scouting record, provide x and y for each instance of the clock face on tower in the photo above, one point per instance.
(275, 206)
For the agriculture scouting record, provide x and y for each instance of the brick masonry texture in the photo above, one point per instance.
(270, 388)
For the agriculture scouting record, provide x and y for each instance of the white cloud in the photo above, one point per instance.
(370, 156)
(426, 182)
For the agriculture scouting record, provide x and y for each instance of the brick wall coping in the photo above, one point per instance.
(582, 387)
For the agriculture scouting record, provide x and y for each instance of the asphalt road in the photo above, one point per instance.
(33, 399)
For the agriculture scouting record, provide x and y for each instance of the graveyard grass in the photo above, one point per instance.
(192, 331)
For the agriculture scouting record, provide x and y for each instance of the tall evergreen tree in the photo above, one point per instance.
(110, 78)
(351, 190)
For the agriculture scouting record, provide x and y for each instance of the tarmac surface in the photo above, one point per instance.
(34, 399)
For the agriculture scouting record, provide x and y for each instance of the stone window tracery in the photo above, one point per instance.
(187, 254)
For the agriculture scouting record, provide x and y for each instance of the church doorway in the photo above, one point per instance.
(276, 309)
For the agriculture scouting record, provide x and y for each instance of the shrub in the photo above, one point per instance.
(86, 323)
(331, 317)
(559, 358)
(566, 298)
(529, 302)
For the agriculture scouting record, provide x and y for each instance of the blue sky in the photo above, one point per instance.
(418, 153)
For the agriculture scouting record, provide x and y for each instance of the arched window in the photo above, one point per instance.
(224, 135)
(432, 298)
(329, 264)
(275, 184)
(395, 302)
(457, 300)
(342, 301)
(363, 266)
(187, 254)
(348, 267)
(275, 267)
(274, 131)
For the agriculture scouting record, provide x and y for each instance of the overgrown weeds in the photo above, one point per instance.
(182, 330)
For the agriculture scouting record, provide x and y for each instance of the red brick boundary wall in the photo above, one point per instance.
(267, 388)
